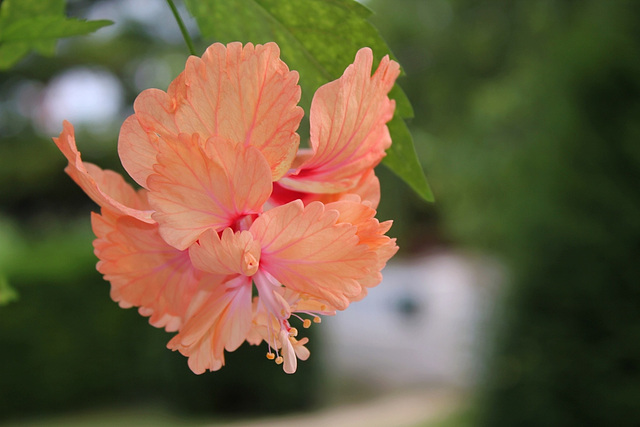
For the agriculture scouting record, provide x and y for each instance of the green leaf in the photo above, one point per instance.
(319, 39)
(10, 54)
(25, 8)
(47, 27)
(403, 105)
(27, 25)
(402, 159)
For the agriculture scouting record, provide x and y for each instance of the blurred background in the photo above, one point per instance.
(514, 300)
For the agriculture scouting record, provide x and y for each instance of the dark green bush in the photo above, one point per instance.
(531, 113)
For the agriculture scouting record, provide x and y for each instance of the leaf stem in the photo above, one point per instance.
(183, 29)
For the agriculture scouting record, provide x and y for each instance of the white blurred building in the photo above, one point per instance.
(423, 325)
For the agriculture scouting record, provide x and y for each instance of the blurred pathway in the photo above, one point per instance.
(399, 409)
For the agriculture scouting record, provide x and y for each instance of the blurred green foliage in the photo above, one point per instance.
(533, 117)
(7, 293)
(36, 25)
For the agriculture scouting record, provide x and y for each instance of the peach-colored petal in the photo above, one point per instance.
(215, 300)
(137, 149)
(144, 271)
(139, 134)
(258, 99)
(305, 250)
(107, 188)
(242, 93)
(202, 358)
(367, 189)
(348, 127)
(218, 319)
(232, 253)
(156, 109)
(235, 324)
(371, 233)
(195, 188)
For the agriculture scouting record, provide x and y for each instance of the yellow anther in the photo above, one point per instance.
(293, 332)
(323, 307)
(279, 360)
(317, 319)
(271, 356)
(306, 323)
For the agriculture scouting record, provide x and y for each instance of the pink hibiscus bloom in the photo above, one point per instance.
(228, 201)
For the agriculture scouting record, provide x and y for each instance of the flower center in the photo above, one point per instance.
(243, 222)
(249, 264)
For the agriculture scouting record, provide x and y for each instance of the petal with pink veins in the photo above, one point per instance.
(256, 100)
(202, 358)
(137, 149)
(154, 118)
(144, 271)
(348, 127)
(307, 251)
(367, 189)
(107, 188)
(242, 93)
(371, 233)
(198, 187)
(156, 109)
(218, 319)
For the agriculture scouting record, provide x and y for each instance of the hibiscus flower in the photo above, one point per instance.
(229, 202)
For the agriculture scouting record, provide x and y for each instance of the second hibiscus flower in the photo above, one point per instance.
(230, 202)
